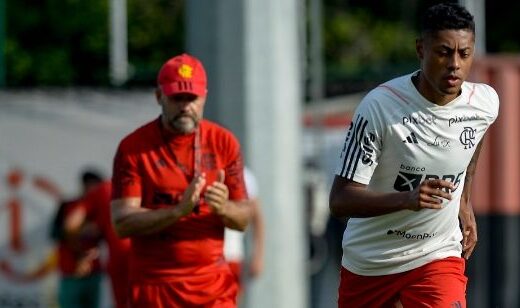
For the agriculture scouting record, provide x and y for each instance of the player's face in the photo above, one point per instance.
(446, 57)
(181, 112)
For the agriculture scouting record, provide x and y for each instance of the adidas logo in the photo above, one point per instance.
(411, 139)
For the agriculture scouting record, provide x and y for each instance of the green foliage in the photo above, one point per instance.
(65, 42)
(56, 42)
(156, 33)
(502, 29)
(361, 47)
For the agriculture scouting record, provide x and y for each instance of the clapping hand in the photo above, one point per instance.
(191, 195)
(217, 194)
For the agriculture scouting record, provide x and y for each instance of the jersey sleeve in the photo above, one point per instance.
(493, 104)
(126, 180)
(362, 146)
(234, 172)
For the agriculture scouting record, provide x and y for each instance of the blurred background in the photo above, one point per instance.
(284, 76)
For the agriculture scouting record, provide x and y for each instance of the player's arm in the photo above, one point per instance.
(129, 218)
(466, 215)
(234, 214)
(74, 221)
(77, 224)
(351, 199)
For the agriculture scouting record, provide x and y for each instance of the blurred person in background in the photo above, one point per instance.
(78, 255)
(177, 182)
(95, 207)
(405, 173)
(247, 268)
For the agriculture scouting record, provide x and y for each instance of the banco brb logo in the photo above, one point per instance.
(406, 181)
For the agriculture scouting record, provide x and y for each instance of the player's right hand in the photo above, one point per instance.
(192, 194)
(429, 195)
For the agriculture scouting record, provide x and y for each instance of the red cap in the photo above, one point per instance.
(183, 74)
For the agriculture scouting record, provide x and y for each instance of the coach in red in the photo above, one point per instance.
(177, 182)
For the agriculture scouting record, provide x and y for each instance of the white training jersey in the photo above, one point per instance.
(396, 140)
(234, 239)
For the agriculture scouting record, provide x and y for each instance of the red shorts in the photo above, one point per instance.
(214, 290)
(441, 283)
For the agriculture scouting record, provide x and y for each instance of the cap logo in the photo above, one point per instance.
(186, 71)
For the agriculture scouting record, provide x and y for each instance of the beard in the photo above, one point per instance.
(185, 123)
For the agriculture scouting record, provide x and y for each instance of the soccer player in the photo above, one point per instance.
(78, 256)
(96, 208)
(405, 173)
(177, 182)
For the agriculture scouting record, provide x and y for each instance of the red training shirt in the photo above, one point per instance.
(71, 250)
(157, 166)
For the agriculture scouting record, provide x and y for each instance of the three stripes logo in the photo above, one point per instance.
(185, 85)
(456, 304)
(411, 139)
(358, 146)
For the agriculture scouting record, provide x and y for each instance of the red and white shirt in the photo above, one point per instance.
(396, 140)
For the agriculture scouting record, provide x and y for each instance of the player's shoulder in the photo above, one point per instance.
(216, 131)
(207, 125)
(142, 133)
(482, 96)
(391, 95)
(481, 89)
(394, 91)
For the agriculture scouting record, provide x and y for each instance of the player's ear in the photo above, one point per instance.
(158, 94)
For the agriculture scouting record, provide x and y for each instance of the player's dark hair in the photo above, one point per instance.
(446, 16)
(91, 176)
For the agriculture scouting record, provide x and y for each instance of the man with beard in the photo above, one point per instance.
(177, 182)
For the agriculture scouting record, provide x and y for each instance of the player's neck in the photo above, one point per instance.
(424, 87)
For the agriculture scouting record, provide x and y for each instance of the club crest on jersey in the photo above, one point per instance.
(467, 137)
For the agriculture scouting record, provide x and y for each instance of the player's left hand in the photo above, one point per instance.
(85, 263)
(217, 194)
(469, 229)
